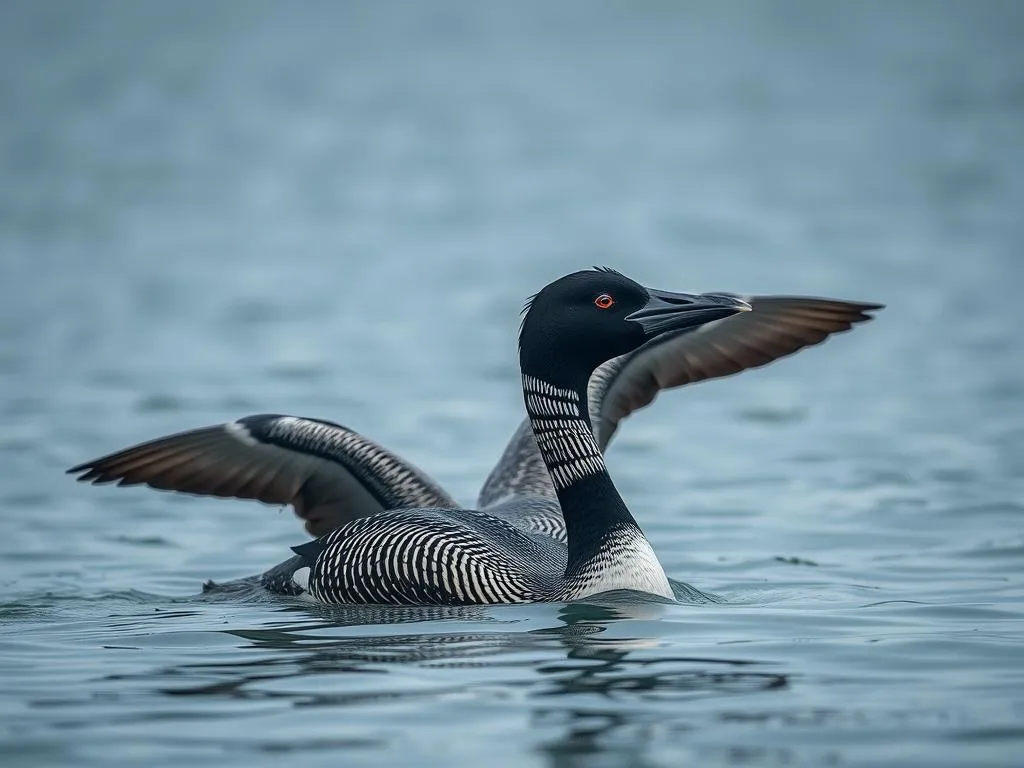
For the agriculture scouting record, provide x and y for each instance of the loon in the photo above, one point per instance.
(332, 475)
(445, 555)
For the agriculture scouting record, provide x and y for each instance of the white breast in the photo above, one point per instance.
(628, 563)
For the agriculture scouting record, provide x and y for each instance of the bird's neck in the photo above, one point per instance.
(590, 503)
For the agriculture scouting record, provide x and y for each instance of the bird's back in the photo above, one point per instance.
(432, 556)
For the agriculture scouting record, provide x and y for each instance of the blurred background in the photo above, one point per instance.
(337, 210)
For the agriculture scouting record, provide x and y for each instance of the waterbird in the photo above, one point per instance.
(332, 475)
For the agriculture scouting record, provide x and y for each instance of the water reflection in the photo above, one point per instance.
(588, 677)
(611, 704)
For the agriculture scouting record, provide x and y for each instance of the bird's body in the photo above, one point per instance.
(550, 524)
(456, 556)
(429, 556)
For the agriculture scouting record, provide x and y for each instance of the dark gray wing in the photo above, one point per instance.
(778, 326)
(330, 474)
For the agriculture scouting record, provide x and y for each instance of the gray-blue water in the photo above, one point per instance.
(211, 210)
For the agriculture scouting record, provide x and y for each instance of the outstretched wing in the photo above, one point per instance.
(777, 327)
(330, 474)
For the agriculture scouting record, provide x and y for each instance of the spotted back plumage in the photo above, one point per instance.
(433, 556)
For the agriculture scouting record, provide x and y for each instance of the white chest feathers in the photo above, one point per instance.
(627, 562)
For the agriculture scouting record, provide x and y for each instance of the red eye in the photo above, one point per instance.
(604, 301)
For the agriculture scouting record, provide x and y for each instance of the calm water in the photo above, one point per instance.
(209, 210)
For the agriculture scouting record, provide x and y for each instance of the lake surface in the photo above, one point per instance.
(213, 210)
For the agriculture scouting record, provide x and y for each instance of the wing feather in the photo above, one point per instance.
(777, 327)
(330, 474)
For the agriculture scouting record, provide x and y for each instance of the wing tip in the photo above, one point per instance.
(86, 473)
(864, 307)
(842, 310)
(94, 474)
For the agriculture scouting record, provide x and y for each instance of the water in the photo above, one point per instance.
(208, 211)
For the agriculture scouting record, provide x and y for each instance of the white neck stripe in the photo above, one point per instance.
(562, 432)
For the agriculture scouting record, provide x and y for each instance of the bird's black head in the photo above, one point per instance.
(581, 320)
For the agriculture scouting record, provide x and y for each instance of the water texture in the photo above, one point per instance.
(337, 210)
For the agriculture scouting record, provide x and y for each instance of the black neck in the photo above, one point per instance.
(590, 503)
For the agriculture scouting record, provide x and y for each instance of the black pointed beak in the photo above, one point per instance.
(665, 311)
